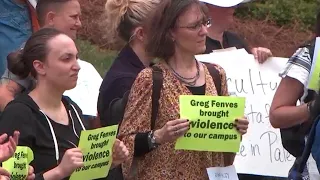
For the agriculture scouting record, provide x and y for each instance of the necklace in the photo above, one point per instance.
(189, 81)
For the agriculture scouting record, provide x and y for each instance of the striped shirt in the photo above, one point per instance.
(298, 67)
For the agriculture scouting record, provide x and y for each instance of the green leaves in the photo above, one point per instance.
(282, 12)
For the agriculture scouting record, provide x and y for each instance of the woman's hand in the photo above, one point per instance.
(242, 125)
(4, 174)
(72, 159)
(261, 54)
(120, 153)
(7, 149)
(31, 175)
(171, 131)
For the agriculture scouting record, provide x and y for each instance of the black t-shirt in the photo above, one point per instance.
(229, 40)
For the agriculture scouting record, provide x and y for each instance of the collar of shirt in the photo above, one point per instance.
(126, 65)
(213, 44)
(128, 56)
(229, 39)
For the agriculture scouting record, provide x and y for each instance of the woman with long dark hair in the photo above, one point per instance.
(178, 31)
(49, 123)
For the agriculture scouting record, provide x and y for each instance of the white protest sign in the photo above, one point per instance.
(86, 93)
(258, 83)
(222, 173)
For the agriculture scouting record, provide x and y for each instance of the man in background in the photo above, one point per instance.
(50, 13)
(222, 16)
(17, 22)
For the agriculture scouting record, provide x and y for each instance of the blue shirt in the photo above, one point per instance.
(15, 28)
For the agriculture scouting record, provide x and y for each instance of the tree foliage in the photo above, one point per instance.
(282, 12)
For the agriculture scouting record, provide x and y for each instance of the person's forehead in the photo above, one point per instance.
(192, 13)
(62, 44)
(72, 6)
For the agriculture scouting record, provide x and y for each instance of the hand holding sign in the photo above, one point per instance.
(242, 125)
(31, 175)
(4, 174)
(72, 159)
(7, 149)
(261, 54)
(18, 165)
(212, 123)
(171, 131)
(96, 146)
(120, 153)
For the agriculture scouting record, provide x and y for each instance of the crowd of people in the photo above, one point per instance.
(39, 62)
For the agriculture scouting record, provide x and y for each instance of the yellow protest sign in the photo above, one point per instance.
(18, 165)
(314, 77)
(212, 121)
(96, 146)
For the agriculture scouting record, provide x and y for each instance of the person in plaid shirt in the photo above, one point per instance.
(284, 113)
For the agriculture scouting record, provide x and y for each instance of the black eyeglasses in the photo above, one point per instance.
(198, 26)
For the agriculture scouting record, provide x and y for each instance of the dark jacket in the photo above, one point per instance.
(118, 81)
(24, 115)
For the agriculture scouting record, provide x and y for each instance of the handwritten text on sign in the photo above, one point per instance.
(96, 146)
(212, 121)
(222, 173)
(258, 83)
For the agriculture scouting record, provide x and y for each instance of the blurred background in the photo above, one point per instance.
(280, 25)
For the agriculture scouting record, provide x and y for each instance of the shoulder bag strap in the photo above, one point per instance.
(215, 74)
(157, 78)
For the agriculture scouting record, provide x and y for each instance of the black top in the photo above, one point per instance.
(117, 81)
(229, 40)
(23, 114)
(198, 90)
(115, 84)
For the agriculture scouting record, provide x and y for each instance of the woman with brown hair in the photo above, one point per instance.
(49, 123)
(179, 30)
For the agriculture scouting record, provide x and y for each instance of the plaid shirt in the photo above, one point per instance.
(299, 67)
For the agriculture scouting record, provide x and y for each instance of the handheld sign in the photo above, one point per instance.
(246, 77)
(96, 146)
(313, 82)
(18, 165)
(222, 173)
(212, 121)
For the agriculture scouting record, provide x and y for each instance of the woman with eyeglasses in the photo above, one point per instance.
(219, 37)
(179, 30)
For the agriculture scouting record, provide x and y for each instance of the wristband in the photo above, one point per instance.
(152, 141)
